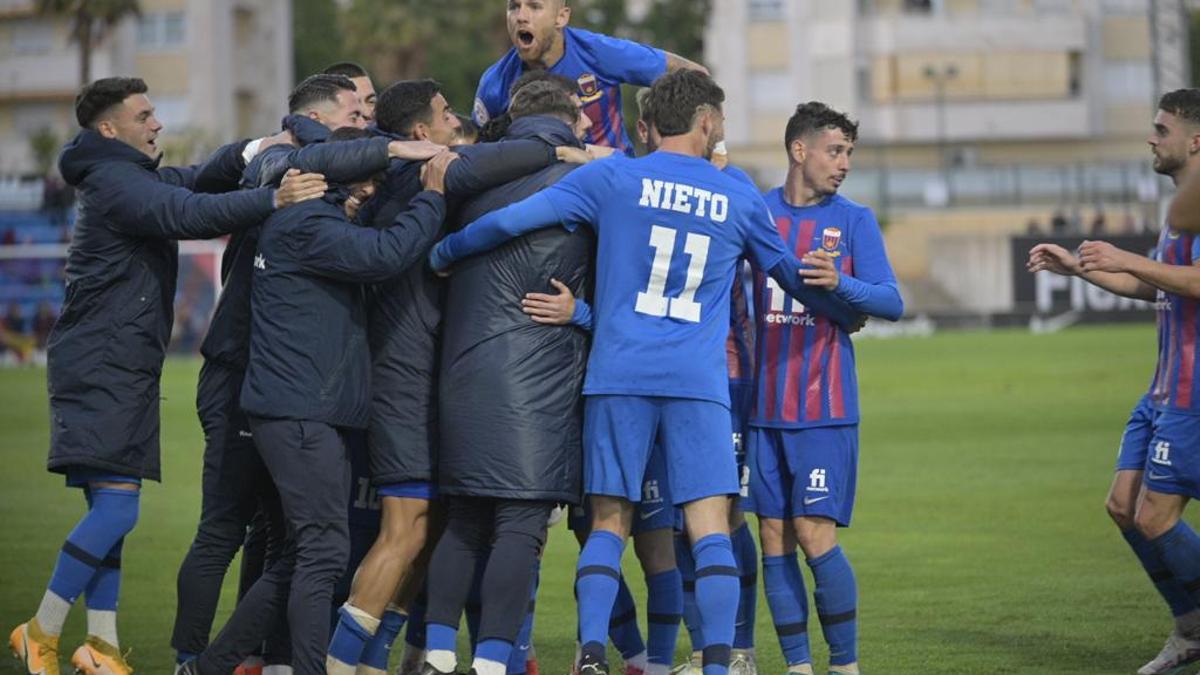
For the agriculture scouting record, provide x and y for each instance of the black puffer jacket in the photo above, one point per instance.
(509, 388)
(106, 349)
(405, 313)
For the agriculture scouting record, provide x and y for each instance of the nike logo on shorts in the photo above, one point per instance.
(1156, 476)
(650, 514)
(809, 501)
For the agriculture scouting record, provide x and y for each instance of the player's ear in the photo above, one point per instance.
(420, 132)
(797, 152)
(106, 128)
(1194, 141)
(563, 17)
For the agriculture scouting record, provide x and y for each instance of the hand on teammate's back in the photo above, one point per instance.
(566, 153)
(1052, 258)
(555, 310)
(284, 137)
(414, 150)
(298, 187)
(433, 173)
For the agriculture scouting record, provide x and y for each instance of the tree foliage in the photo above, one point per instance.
(92, 21)
(315, 36)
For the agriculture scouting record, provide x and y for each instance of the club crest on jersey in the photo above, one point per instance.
(589, 89)
(831, 237)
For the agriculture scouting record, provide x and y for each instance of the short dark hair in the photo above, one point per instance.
(1183, 103)
(345, 68)
(405, 103)
(494, 129)
(317, 88)
(467, 129)
(816, 116)
(544, 98)
(676, 98)
(645, 112)
(100, 96)
(568, 85)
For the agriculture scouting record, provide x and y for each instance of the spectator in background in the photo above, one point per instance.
(14, 319)
(1098, 223)
(57, 198)
(1033, 227)
(1058, 223)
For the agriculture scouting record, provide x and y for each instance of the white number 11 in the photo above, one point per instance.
(653, 300)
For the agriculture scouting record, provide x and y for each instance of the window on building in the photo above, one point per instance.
(32, 38)
(918, 6)
(771, 91)
(766, 10)
(161, 31)
(1128, 81)
(171, 111)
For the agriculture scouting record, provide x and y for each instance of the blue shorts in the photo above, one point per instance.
(1173, 455)
(656, 510)
(412, 489)
(1135, 442)
(81, 476)
(619, 433)
(804, 472)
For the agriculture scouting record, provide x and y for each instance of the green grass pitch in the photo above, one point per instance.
(980, 539)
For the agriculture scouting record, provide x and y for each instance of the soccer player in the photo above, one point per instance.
(599, 64)
(671, 228)
(404, 321)
(234, 475)
(509, 414)
(117, 318)
(1158, 467)
(804, 429)
(363, 85)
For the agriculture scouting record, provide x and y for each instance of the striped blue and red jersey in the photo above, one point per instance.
(599, 64)
(805, 363)
(1176, 384)
(739, 346)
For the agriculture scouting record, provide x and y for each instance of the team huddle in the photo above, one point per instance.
(436, 332)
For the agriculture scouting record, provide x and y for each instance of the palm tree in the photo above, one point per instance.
(91, 23)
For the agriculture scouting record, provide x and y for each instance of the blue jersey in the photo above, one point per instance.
(598, 63)
(806, 375)
(671, 230)
(1175, 378)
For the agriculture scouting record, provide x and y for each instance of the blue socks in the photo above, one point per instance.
(664, 608)
(836, 598)
(746, 554)
(597, 579)
(87, 549)
(788, 602)
(687, 570)
(494, 650)
(1180, 551)
(102, 591)
(440, 637)
(349, 638)
(377, 650)
(717, 589)
(1166, 583)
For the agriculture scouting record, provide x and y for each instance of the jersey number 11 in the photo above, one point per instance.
(653, 300)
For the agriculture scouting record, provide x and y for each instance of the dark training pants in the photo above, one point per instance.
(508, 534)
(311, 469)
(234, 482)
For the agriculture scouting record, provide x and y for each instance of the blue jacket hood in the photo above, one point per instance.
(88, 149)
(306, 130)
(551, 130)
